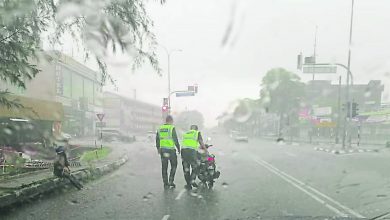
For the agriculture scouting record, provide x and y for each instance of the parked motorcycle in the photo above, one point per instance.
(208, 169)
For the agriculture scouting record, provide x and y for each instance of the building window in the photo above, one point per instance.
(66, 83)
(88, 90)
(59, 81)
(77, 86)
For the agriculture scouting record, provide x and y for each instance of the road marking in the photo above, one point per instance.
(311, 191)
(318, 192)
(338, 212)
(180, 194)
(290, 154)
(165, 217)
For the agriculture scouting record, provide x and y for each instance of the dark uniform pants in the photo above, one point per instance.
(168, 155)
(190, 164)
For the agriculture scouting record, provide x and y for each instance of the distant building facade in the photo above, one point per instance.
(62, 79)
(323, 93)
(130, 115)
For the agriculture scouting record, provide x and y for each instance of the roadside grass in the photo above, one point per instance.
(95, 154)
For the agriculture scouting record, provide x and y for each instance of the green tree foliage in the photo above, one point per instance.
(282, 91)
(97, 25)
(185, 119)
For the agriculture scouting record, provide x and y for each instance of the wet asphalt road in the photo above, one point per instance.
(259, 179)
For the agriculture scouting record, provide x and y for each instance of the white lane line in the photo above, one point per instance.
(180, 194)
(316, 191)
(337, 203)
(335, 210)
(290, 154)
(165, 217)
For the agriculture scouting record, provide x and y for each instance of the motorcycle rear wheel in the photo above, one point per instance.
(211, 184)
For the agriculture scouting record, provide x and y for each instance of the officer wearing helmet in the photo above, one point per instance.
(192, 142)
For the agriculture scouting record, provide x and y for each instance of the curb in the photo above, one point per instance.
(350, 151)
(47, 185)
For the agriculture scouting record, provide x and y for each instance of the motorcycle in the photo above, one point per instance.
(208, 169)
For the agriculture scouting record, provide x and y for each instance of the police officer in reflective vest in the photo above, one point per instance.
(166, 140)
(191, 142)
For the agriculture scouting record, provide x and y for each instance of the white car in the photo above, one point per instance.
(241, 138)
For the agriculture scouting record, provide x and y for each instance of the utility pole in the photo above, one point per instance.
(315, 47)
(348, 112)
(338, 112)
(169, 52)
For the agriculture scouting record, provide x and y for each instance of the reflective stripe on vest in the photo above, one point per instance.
(165, 134)
(190, 140)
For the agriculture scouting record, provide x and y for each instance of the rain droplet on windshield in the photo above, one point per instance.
(147, 196)
(225, 185)
(7, 131)
(73, 202)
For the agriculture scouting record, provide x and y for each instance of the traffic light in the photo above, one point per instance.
(355, 109)
(164, 108)
(351, 110)
(346, 108)
(299, 61)
(165, 101)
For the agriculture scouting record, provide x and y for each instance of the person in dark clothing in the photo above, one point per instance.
(61, 168)
(192, 142)
(166, 141)
(61, 163)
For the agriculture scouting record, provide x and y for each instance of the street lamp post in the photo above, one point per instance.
(169, 52)
(348, 112)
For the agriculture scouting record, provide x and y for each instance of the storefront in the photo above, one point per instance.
(37, 121)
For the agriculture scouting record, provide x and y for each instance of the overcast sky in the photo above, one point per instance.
(228, 46)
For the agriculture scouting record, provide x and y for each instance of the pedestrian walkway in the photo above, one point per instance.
(27, 179)
(18, 183)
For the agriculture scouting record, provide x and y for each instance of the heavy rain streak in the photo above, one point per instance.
(194, 110)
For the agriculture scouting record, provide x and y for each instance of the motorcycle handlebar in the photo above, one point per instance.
(208, 145)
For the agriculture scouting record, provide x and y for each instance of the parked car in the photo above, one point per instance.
(66, 136)
(241, 138)
(110, 135)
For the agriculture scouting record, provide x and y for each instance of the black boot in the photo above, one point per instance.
(172, 185)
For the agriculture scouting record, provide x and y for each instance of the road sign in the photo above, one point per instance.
(319, 69)
(181, 94)
(193, 88)
(310, 60)
(100, 116)
(326, 124)
(321, 111)
(100, 124)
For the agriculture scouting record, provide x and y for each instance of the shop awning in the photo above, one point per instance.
(34, 109)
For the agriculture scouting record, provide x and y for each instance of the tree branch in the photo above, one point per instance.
(17, 31)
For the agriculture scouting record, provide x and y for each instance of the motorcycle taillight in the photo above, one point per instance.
(210, 159)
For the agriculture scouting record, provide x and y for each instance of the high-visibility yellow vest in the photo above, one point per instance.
(190, 140)
(165, 134)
